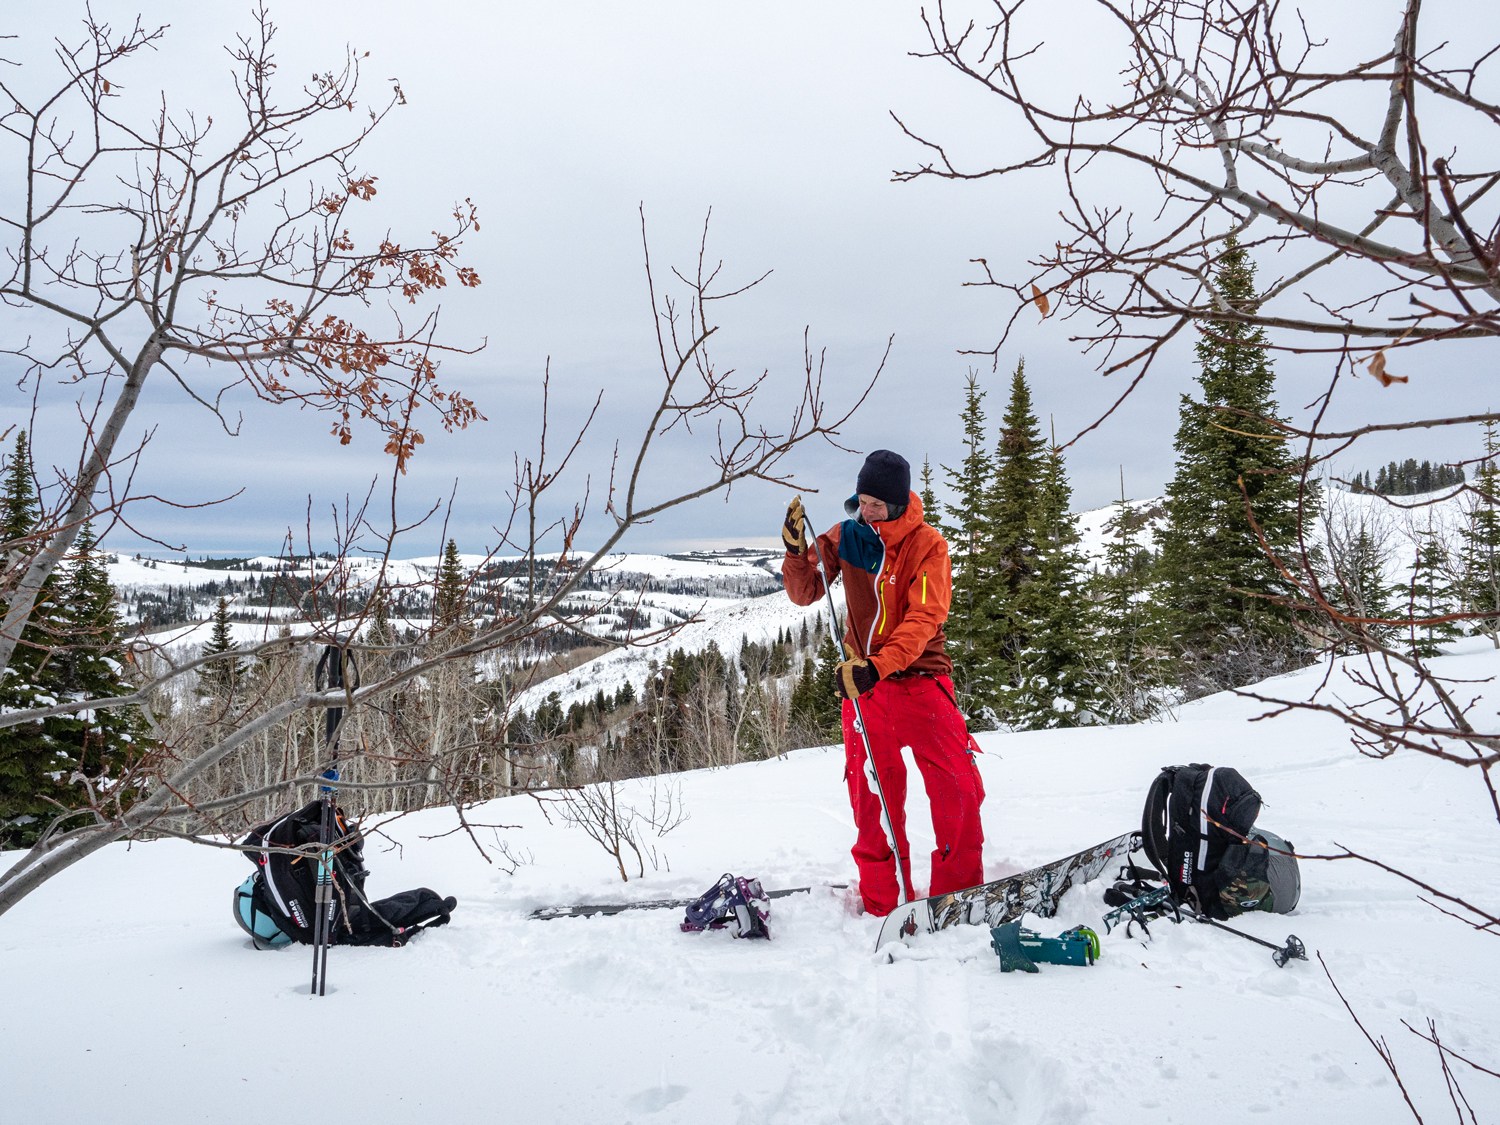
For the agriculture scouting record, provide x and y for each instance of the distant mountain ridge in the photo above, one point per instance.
(160, 592)
(709, 597)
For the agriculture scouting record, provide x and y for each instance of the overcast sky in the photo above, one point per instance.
(560, 120)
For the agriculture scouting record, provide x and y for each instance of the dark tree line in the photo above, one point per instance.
(1408, 478)
(696, 710)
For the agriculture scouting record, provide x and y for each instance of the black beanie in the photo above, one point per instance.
(885, 476)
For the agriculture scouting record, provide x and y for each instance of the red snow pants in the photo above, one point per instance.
(919, 712)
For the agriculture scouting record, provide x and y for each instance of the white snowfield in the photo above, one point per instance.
(132, 572)
(725, 614)
(131, 997)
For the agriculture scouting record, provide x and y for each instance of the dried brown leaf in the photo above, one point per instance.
(1376, 364)
(1039, 298)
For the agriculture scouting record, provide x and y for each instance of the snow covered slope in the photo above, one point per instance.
(131, 997)
(709, 590)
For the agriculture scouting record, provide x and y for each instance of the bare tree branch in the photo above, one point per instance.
(229, 245)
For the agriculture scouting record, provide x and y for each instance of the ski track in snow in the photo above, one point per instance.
(130, 996)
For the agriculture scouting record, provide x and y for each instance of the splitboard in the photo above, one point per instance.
(589, 909)
(1037, 891)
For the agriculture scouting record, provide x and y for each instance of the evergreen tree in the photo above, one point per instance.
(1128, 652)
(450, 595)
(1431, 595)
(35, 760)
(381, 639)
(1217, 584)
(804, 702)
(1015, 520)
(781, 657)
(968, 545)
(815, 707)
(20, 508)
(929, 497)
(549, 721)
(107, 741)
(1480, 561)
(220, 677)
(1052, 681)
(1359, 588)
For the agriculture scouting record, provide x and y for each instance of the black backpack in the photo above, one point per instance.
(275, 905)
(284, 885)
(1198, 830)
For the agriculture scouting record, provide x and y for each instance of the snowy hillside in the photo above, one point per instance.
(1399, 526)
(1397, 522)
(660, 590)
(131, 997)
(705, 594)
(757, 620)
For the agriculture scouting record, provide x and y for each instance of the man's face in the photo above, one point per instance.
(872, 510)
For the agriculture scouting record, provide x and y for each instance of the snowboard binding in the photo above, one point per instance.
(733, 902)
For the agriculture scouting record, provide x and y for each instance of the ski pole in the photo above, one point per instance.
(871, 776)
(1280, 954)
(331, 674)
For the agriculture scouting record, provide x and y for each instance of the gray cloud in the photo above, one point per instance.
(559, 120)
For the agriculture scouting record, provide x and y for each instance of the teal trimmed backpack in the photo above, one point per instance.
(259, 924)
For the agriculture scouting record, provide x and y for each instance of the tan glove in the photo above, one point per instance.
(855, 676)
(794, 529)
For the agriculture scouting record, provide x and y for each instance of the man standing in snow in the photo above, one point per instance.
(897, 585)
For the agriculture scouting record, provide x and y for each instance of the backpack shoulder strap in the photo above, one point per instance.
(1204, 817)
(284, 890)
(1154, 819)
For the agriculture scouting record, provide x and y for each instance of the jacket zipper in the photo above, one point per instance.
(879, 599)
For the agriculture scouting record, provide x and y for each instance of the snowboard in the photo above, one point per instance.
(1037, 891)
(589, 909)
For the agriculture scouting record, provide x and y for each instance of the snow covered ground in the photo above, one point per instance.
(130, 995)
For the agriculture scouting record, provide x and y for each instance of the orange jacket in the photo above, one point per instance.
(896, 611)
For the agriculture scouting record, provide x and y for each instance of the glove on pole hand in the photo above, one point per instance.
(855, 676)
(794, 530)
